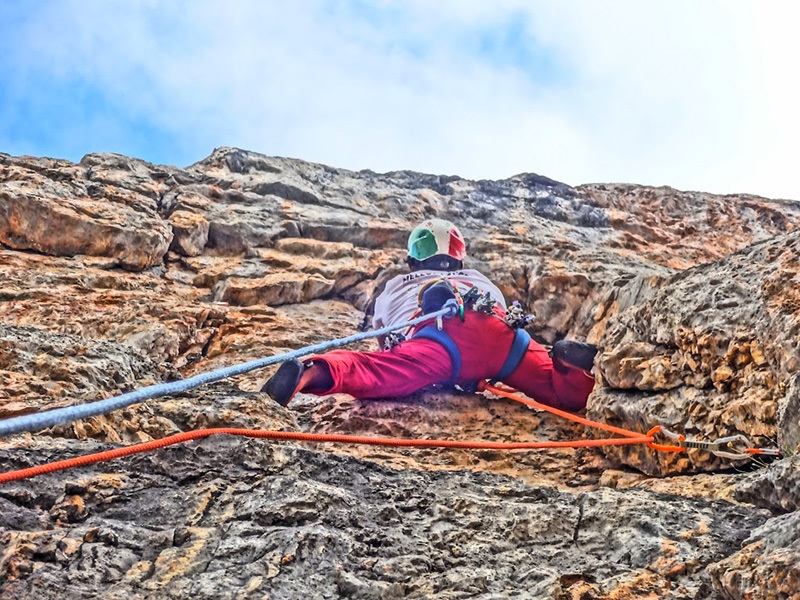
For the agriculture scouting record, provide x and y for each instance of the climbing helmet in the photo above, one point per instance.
(436, 236)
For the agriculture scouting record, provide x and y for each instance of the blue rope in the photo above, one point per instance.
(43, 420)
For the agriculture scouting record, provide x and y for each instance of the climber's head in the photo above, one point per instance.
(437, 245)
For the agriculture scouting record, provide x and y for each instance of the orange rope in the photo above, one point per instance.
(304, 437)
(556, 411)
(662, 447)
(577, 419)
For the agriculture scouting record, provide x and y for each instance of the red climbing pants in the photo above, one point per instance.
(484, 342)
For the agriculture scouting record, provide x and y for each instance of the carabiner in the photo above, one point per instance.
(729, 442)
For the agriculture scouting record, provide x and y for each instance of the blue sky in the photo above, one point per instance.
(696, 95)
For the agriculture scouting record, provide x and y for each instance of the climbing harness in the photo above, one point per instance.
(518, 349)
(441, 337)
(482, 302)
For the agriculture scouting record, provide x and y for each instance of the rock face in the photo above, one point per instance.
(682, 229)
(64, 210)
(767, 565)
(710, 353)
(190, 233)
(117, 274)
(285, 522)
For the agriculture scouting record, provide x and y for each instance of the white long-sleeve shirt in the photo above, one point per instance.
(400, 298)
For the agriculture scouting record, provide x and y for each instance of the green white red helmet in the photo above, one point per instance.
(434, 237)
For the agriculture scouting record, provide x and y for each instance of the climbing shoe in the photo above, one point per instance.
(282, 386)
(571, 353)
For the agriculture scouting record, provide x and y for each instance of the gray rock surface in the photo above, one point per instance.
(776, 488)
(225, 516)
(767, 566)
(190, 233)
(709, 354)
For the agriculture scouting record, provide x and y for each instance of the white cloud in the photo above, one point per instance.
(689, 94)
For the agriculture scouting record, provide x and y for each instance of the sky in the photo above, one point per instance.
(699, 95)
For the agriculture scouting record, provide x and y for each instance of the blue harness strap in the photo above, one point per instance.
(431, 332)
(515, 355)
(518, 348)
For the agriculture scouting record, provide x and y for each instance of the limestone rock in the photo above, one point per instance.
(274, 290)
(789, 415)
(190, 233)
(708, 355)
(41, 370)
(223, 515)
(657, 221)
(691, 296)
(776, 488)
(767, 567)
(71, 214)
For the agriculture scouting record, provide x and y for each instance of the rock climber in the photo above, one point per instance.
(480, 343)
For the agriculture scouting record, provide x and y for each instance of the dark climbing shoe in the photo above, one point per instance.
(282, 386)
(576, 354)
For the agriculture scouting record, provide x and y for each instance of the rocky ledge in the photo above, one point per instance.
(117, 274)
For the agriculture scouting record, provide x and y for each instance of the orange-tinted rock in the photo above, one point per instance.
(70, 213)
(190, 233)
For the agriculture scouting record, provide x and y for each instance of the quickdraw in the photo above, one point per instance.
(735, 447)
(479, 301)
